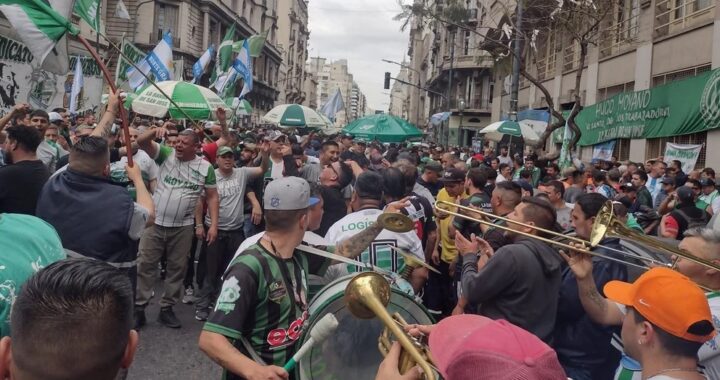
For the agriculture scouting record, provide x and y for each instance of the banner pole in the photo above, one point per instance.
(130, 61)
(108, 78)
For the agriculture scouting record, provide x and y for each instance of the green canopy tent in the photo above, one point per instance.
(384, 128)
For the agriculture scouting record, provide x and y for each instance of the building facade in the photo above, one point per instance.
(332, 76)
(293, 35)
(644, 44)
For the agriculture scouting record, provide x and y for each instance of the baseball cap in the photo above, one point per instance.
(224, 150)
(54, 117)
(667, 299)
(707, 182)
(466, 345)
(628, 186)
(453, 175)
(288, 193)
(273, 135)
(685, 194)
(525, 186)
(346, 135)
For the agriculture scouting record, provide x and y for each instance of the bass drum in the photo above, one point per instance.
(351, 352)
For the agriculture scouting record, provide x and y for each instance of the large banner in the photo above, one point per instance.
(686, 154)
(132, 52)
(677, 108)
(21, 83)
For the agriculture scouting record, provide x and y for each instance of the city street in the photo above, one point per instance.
(171, 354)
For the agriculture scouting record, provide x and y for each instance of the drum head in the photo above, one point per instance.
(351, 352)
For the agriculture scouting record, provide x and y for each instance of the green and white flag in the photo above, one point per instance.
(43, 29)
(89, 10)
(224, 56)
(256, 44)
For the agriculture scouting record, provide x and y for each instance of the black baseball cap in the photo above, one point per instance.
(707, 182)
(667, 181)
(525, 186)
(453, 175)
(628, 187)
(685, 194)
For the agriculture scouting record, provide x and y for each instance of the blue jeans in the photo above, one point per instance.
(249, 229)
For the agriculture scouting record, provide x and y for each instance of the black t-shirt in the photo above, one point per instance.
(334, 208)
(433, 188)
(20, 186)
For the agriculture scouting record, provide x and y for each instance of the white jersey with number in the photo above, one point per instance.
(378, 252)
(708, 355)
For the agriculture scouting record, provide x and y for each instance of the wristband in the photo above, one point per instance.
(199, 225)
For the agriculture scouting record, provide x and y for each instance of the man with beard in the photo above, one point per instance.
(519, 282)
(333, 179)
(46, 152)
(22, 179)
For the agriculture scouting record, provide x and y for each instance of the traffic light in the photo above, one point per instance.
(387, 81)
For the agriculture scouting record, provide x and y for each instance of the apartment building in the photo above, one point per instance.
(644, 45)
(400, 95)
(293, 35)
(332, 76)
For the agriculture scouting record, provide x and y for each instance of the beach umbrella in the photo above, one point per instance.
(383, 127)
(193, 101)
(294, 115)
(496, 130)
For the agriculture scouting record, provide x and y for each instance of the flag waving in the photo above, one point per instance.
(77, 85)
(121, 11)
(42, 29)
(158, 62)
(223, 60)
(333, 105)
(202, 63)
(243, 65)
(89, 10)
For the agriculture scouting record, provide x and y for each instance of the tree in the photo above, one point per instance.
(579, 22)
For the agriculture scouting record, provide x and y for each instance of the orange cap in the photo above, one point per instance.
(666, 298)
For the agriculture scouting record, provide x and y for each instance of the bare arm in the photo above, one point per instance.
(256, 213)
(143, 196)
(108, 118)
(20, 107)
(146, 143)
(599, 309)
(265, 161)
(353, 246)
(219, 349)
(213, 203)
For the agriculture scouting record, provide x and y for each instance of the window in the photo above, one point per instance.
(166, 19)
(675, 15)
(624, 28)
(656, 147)
(661, 79)
(609, 92)
(466, 43)
(545, 58)
(622, 149)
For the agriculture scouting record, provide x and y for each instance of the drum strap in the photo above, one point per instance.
(251, 351)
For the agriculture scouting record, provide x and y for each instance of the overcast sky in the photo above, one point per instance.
(363, 32)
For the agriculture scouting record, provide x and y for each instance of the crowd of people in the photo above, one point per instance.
(219, 214)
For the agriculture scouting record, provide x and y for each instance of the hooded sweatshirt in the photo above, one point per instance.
(520, 283)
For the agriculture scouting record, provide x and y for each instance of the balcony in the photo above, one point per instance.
(475, 105)
(479, 61)
(674, 16)
(154, 38)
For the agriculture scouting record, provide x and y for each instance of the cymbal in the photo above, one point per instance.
(412, 260)
(395, 222)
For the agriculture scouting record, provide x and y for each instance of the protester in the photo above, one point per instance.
(75, 317)
(685, 215)
(184, 177)
(24, 175)
(556, 193)
(520, 282)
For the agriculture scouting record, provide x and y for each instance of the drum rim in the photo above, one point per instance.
(315, 317)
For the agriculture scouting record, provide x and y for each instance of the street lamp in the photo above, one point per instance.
(461, 108)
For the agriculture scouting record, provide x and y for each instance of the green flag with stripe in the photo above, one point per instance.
(224, 56)
(42, 28)
(89, 10)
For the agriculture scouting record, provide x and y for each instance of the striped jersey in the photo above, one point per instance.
(378, 252)
(258, 302)
(179, 186)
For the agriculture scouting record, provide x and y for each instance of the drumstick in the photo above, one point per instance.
(325, 326)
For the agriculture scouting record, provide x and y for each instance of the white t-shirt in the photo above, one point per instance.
(276, 169)
(563, 216)
(708, 355)
(180, 184)
(715, 206)
(378, 252)
(148, 168)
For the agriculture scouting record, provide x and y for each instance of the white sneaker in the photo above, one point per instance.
(189, 297)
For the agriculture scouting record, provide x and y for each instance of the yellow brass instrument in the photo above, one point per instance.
(605, 225)
(367, 296)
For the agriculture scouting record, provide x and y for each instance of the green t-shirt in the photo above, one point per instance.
(255, 303)
(29, 244)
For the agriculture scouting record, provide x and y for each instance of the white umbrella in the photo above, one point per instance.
(194, 101)
(496, 131)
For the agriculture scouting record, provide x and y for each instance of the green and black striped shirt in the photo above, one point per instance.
(258, 302)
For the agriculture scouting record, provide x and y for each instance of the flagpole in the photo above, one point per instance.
(108, 78)
(130, 61)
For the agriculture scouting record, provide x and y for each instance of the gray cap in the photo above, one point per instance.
(288, 193)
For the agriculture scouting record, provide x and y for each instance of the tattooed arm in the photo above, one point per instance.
(353, 246)
(599, 309)
(108, 118)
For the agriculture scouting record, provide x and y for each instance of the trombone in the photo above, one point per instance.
(605, 225)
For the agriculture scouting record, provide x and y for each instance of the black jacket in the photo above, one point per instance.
(579, 342)
(519, 283)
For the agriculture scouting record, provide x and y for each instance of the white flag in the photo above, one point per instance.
(77, 85)
(121, 11)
